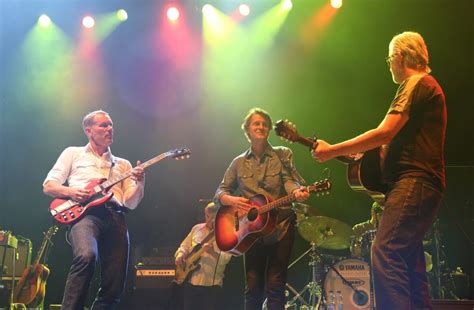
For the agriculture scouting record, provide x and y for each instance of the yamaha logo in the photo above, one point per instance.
(352, 267)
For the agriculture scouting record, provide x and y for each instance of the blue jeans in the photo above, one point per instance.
(397, 254)
(100, 235)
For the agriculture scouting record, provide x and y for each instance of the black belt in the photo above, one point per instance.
(115, 207)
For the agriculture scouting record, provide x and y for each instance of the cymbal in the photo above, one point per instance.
(304, 209)
(325, 232)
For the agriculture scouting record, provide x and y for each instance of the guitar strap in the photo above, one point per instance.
(112, 165)
(289, 166)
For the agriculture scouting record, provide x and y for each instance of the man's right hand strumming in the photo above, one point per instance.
(180, 260)
(79, 194)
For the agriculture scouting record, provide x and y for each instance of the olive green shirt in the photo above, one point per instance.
(274, 176)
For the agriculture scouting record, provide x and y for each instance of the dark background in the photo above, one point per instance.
(331, 81)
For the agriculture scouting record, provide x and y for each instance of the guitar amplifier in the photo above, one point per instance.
(22, 259)
(154, 276)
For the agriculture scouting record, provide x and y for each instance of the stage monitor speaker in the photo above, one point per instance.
(22, 259)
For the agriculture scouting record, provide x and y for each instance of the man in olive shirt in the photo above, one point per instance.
(264, 169)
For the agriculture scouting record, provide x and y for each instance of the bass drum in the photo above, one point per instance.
(339, 294)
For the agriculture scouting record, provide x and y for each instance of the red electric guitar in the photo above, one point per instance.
(237, 230)
(69, 211)
(363, 174)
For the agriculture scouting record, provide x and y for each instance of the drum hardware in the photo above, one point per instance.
(322, 232)
(444, 284)
(349, 286)
(314, 287)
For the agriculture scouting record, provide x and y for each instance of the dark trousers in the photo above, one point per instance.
(100, 235)
(200, 297)
(397, 254)
(266, 272)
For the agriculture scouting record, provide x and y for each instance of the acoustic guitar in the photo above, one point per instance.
(31, 287)
(69, 211)
(237, 230)
(364, 174)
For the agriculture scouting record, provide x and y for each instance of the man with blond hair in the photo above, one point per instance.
(411, 137)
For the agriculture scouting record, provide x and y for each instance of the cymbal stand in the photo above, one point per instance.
(438, 292)
(445, 286)
(314, 287)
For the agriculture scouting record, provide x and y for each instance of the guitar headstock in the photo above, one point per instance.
(286, 130)
(322, 187)
(51, 232)
(179, 154)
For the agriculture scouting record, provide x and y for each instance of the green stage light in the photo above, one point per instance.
(44, 20)
(244, 9)
(122, 15)
(287, 5)
(336, 3)
(207, 9)
(107, 23)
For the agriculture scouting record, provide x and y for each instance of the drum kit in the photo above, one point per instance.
(344, 283)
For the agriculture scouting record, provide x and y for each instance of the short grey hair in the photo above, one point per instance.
(88, 120)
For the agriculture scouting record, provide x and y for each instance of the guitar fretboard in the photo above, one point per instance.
(318, 187)
(114, 180)
(47, 237)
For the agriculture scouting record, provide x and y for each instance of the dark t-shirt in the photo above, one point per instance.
(418, 149)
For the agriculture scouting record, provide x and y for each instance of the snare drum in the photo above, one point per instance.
(357, 273)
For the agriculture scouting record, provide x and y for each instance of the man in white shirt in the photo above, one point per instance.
(203, 284)
(101, 233)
